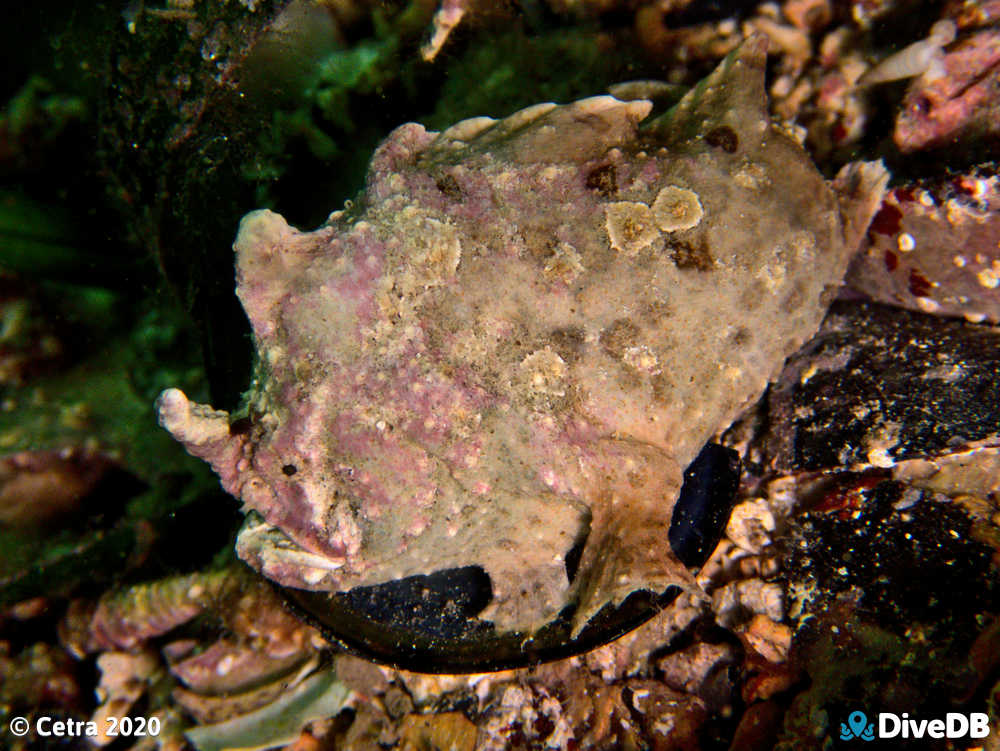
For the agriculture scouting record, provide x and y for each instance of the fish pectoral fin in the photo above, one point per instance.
(631, 554)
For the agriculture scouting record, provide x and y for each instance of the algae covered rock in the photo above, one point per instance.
(518, 338)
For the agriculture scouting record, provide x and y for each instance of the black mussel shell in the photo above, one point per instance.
(429, 623)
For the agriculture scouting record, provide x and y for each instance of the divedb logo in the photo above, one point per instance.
(891, 725)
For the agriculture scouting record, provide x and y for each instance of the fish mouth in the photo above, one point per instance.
(433, 622)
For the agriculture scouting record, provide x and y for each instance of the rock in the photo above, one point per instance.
(881, 384)
(959, 102)
(936, 248)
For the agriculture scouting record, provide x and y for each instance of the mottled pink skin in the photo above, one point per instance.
(963, 102)
(392, 455)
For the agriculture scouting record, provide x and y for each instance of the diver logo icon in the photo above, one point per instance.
(857, 726)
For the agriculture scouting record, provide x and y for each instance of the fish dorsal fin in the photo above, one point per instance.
(545, 132)
(732, 97)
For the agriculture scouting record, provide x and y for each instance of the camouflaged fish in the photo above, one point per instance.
(518, 337)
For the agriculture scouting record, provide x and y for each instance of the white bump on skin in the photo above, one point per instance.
(641, 358)
(928, 305)
(225, 665)
(545, 371)
(906, 242)
(988, 278)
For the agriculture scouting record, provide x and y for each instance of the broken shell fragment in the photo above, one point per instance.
(501, 377)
